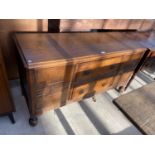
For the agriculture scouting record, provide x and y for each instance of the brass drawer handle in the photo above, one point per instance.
(87, 72)
(81, 91)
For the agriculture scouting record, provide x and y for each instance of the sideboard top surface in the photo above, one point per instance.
(40, 48)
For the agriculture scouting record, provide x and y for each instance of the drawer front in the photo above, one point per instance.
(99, 63)
(82, 91)
(104, 84)
(96, 70)
(53, 75)
(88, 90)
(94, 75)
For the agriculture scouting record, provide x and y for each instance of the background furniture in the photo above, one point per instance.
(68, 25)
(139, 107)
(7, 27)
(57, 68)
(6, 102)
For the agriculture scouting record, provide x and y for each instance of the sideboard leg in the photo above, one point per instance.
(94, 98)
(33, 121)
(11, 117)
(120, 89)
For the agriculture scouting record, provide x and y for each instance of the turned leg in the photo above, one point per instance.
(11, 117)
(94, 98)
(33, 120)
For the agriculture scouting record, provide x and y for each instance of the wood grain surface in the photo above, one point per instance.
(139, 106)
(56, 68)
(7, 27)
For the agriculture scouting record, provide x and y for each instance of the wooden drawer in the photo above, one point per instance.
(104, 84)
(90, 89)
(93, 71)
(53, 74)
(81, 92)
(100, 63)
(94, 75)
(96, 70)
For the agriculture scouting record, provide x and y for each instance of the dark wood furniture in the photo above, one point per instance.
(58, 68)
(139, 107)
(6, 102)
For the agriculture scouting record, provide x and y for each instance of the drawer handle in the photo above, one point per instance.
(87, 72)
(103, 84)
(81, 91)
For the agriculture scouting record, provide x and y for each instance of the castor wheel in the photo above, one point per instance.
(33, 121)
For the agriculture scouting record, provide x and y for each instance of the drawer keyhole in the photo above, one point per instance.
(81, 91)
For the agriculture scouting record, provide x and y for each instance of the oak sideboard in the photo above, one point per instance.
(58, 68)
